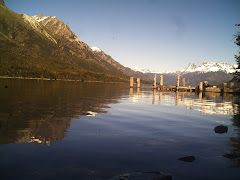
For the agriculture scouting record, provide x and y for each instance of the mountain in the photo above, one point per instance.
(43, 46)
(129, 72)
(193, 78)
(190, 68)
(214, 73)
(210, 67)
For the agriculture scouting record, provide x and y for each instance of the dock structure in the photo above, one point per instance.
(131, 82)
(178, 79)
(224, 90)
(155, 81)
(162, 87)
(138, 82)
(200, 87)
(183, 82)
(161, 80)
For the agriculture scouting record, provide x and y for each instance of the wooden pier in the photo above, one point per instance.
(182, 88)
(203, 87)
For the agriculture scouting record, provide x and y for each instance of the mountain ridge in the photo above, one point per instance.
(48, 49)
(203, 68)
(214, 73)
(129, 72)
(210, 67)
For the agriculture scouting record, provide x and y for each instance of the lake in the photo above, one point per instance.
(75, 130)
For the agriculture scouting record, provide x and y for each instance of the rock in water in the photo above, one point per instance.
(221, 129)
(187, 158)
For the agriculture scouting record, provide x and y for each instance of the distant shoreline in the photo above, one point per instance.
(48, 79)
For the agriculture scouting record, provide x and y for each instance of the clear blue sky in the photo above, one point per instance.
(163, 35)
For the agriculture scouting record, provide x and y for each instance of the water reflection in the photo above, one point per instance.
(206, 103)
(115, 129)
(41, 111)
(234, 153)
(211, 103)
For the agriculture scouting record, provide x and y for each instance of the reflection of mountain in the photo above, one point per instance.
(41, 111)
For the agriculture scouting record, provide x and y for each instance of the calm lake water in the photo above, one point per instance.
(72, 130)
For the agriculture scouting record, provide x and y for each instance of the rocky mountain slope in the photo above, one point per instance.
(117, 65)
(43, 46)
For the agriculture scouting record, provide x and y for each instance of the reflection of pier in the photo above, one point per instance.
(208, 103)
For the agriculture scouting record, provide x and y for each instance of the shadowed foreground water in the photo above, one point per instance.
(72, 130)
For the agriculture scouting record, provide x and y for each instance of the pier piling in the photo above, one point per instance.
(231, 85)
(155, 81)
(200, 86)
(178, 78)
(131, 82)
(161, 80)
(224, 87)
(138, 82)
(183, 82)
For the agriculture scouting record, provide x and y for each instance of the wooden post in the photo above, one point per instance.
(205, 84)
(224, 87)
(161, 80)
(138, 82)
(231, 85)
(200, 86)
(155, 81)
(131, 82)
(183, 82)
(178, 78)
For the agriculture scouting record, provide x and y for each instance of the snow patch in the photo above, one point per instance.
(40, 18)
(96, 49)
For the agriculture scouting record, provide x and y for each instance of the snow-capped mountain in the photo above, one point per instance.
(214, 73)
(210, 67)
(203, 68)
(144, 70)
